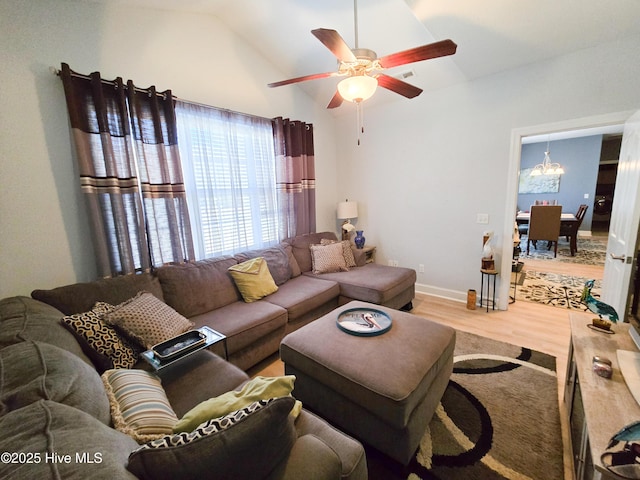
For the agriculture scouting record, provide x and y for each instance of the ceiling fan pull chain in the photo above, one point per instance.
(359, 120)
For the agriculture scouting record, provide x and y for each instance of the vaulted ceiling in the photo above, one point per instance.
(492, 35)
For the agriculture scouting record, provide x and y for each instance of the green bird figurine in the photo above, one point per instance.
(596, 306)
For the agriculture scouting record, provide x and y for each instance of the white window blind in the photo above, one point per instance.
(229, 167)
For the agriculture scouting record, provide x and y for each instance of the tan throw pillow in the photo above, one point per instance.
(147, 320)
(139, 405)
(327, 258)
(253, 279)
(347, 253)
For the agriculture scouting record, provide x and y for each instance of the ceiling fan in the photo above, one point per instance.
(363, 69)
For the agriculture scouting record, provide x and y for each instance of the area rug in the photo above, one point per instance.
(554, 289)
(498, 419)
(591, 251)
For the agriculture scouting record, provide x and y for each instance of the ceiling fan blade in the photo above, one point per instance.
(398, 86)
(334, 42)
(417, 54)
(315, 76)
(336, 101)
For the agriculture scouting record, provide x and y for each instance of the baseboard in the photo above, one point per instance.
(454, 295)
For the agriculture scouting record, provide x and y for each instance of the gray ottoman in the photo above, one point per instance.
(382, 389)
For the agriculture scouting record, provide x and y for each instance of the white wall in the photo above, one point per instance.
(427, 166)
(44, 239)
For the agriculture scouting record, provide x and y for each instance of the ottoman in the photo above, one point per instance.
(381, 389)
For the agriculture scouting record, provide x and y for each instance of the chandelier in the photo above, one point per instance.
(547, 167)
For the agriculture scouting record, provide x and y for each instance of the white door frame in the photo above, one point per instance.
(617, 118)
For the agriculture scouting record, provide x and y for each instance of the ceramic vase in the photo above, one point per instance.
(471, 299)
(359, 240)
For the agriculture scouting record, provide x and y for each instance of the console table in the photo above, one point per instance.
(597, 407)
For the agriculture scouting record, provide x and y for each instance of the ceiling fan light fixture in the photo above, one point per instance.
(357, 88)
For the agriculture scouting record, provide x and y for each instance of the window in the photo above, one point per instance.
(230, 175)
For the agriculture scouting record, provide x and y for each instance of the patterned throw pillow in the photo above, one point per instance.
(327, 258)
(147, 320)
(139, 405)
(107, 348)
(214, 425)
(349, 259)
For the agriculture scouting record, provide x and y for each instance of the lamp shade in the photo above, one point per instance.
(347, 210)
(357, 88)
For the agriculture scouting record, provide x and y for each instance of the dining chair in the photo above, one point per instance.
(570, 230)
(544, 224)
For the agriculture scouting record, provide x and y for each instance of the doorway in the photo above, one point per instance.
(611, 123)
(606, 183)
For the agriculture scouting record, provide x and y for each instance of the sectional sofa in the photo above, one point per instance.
(205, 292)
(56, 410)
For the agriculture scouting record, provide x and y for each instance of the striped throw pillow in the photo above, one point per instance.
(139, 405)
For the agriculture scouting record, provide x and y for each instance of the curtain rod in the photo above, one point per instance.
(57, 71)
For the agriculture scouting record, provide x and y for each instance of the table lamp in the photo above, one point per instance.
(346, 211)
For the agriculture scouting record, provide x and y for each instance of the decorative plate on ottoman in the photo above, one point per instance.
(365, 322)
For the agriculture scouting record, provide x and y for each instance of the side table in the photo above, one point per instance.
(516, 270)
(369, 253)
(213, 337)
(491, 291)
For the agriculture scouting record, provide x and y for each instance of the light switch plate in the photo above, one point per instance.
(482, 218)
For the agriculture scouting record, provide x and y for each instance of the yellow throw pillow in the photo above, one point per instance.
(258, 388)
(253, 279)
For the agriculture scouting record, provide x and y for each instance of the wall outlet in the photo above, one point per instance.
(421, 268)
(586, 195)
(390, 262)
(482, 218)
(395, 263)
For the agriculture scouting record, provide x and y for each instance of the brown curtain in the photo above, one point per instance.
(153, 121)
(295, 175)
(126, 237)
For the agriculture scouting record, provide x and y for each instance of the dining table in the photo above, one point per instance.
(565, 218)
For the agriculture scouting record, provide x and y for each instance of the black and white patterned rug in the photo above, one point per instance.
(498, 419)
(557, 290)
